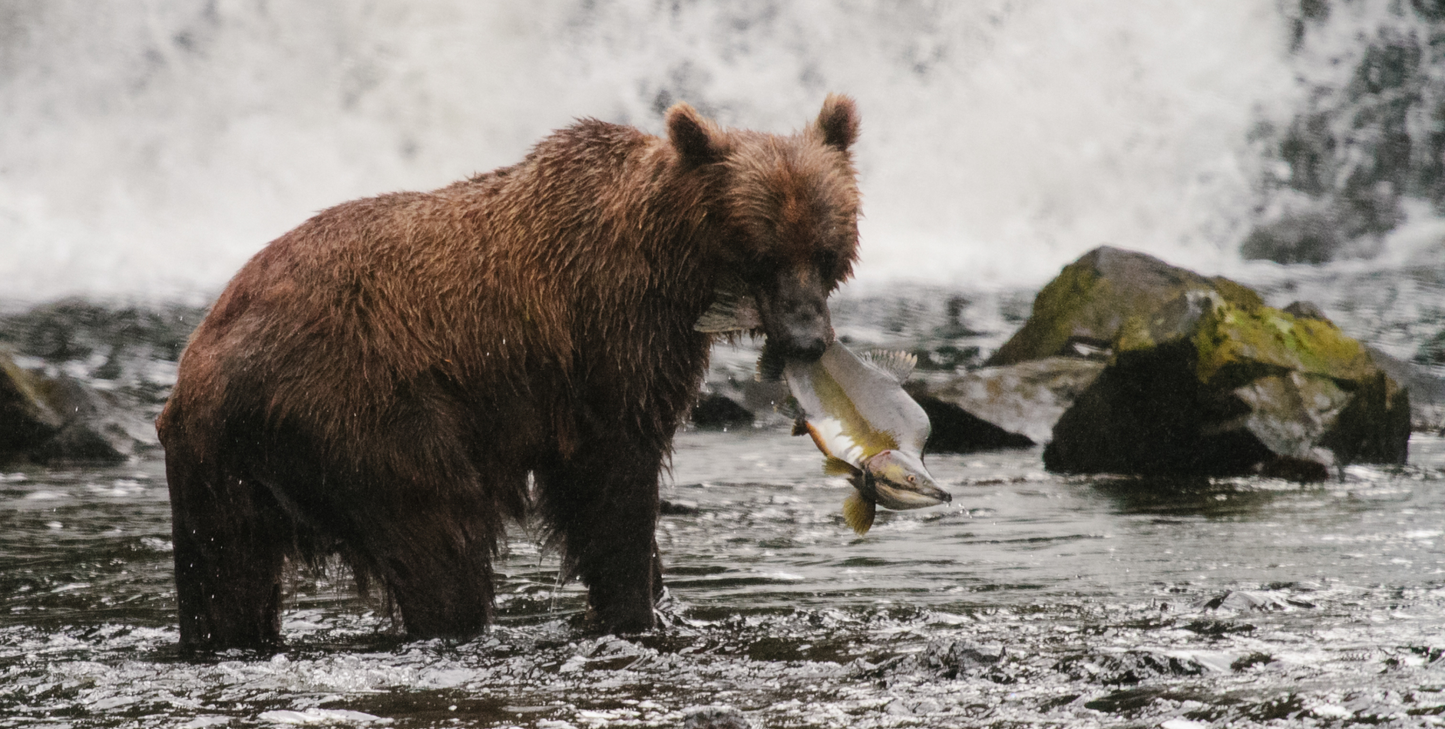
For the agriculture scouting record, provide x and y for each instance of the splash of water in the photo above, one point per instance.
(151, 147)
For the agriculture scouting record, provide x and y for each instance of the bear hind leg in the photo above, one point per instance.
(229, 542)
(429, 521)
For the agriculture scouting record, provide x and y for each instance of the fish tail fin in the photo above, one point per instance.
(859, 512)
(834, 466)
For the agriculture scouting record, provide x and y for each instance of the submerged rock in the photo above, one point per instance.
(1210, 387)
(1081, 311)
(964, 659)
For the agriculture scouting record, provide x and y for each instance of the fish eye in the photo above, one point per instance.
(911, 479)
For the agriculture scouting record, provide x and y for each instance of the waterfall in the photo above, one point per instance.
(149, 147)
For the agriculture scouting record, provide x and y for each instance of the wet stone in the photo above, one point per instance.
(1131, 667)
(715, 717)
(718, 412)
(957, 659)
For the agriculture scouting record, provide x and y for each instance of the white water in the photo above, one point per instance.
(148, 148)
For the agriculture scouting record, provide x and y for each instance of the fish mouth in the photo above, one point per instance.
(916, 496)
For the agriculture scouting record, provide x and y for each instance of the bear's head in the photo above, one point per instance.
(787, 208)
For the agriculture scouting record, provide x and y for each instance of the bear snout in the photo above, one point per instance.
(795, 315)
(806, 338)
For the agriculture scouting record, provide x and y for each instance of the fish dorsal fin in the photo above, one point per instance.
(834, 466)
(897, 364)
(770, 364)
(859, 513)
(733, 309)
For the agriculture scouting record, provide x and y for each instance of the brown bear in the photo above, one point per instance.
(382, 381)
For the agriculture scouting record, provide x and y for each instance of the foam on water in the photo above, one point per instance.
(1032, 599)
(151, 147)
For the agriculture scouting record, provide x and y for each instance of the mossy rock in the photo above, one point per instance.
(1207, 387)
(1095, 296)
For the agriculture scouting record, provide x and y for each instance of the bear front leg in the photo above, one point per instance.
(606, 513)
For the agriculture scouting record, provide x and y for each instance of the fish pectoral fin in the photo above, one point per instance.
(732, 310)
(859, 512)
(834, 466)
(800, 426)
(771, 364)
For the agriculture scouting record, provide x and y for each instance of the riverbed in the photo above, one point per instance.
(1032, 599)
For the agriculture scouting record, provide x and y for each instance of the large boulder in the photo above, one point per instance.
(62, 420)
(26, 419)
(1022, 401)
(956, 430)
(1213, 386)
(1081, 311)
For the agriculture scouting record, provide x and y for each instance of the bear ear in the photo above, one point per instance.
(838, 122)
(692, 136)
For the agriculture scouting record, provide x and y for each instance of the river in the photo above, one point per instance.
(1031, 599)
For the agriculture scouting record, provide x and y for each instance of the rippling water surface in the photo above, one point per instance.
(1032, 599)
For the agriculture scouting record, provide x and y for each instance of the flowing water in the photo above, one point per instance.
(151, 147)
(1032, 599)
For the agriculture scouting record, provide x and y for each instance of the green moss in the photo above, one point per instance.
(29, 387)
(1237, 293)
(1055, 309)
(1083, 302)
(1133, 335)
(1233, 337)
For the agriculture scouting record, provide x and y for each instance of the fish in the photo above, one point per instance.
(854, 408)
(868, 429)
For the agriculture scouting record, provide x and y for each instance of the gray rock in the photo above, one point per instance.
(55, 420)
(27, 420)
(1025, 398)
(718, 412)
(716, 716)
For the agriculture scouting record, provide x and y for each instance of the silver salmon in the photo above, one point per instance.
(855, 409)
(868, 429)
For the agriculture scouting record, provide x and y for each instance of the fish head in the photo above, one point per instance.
(900, 481)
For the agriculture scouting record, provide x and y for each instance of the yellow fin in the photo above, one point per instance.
(838, 467)
(858, 512)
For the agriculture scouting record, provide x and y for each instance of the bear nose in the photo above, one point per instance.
(806, 344)
(795, 314)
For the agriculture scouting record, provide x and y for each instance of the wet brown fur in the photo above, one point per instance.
(380, 381)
